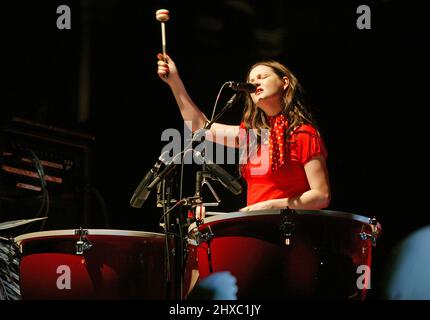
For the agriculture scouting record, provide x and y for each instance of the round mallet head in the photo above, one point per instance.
(162, 15)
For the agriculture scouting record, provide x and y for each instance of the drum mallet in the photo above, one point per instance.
(162, 15)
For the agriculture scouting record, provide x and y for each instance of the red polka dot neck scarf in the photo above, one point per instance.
(277, 149)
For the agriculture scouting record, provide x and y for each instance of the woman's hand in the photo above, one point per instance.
(267, 205)
(167, 70)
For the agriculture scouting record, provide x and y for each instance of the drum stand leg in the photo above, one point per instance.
(173, 227)
(167, 195)
(180, 259)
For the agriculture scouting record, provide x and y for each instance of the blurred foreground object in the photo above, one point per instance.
(408, 275)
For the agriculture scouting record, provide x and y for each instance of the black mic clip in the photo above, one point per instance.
(142, 191)
(242, 86)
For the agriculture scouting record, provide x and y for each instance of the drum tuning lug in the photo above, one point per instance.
(203, 237)
(83, 244)
(365, 236)
(81, 232)
(287, 225)
(373, 221)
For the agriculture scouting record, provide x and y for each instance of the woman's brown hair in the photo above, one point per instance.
(293, 107)
(292, 102)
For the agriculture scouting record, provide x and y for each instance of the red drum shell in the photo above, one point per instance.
(120, 264)
(322, 259)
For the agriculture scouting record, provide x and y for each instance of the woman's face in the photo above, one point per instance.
(269, 87)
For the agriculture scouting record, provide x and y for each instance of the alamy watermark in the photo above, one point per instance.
(364, 18)
(64, 281)
(363, 280)
(64, 20)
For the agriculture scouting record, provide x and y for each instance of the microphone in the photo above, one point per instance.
(242, 86)
(142, 192)
(222, 176)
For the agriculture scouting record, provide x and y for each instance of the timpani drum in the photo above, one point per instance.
(276, 254)
(94, 264)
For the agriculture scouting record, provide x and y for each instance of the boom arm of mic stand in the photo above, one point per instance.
(223, 110)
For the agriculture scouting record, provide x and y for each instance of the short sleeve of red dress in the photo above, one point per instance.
(306, 144)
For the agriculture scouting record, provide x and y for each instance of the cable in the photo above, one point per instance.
(216, 100)
(166, 239)
(182, 254)
(44, 207)
(180, 202)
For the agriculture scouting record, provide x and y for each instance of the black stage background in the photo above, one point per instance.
(368, 89)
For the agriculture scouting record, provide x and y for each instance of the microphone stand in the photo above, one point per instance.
(168, 194)
(162, 176)
(172, 165)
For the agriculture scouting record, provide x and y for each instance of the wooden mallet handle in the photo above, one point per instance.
(162, 15)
